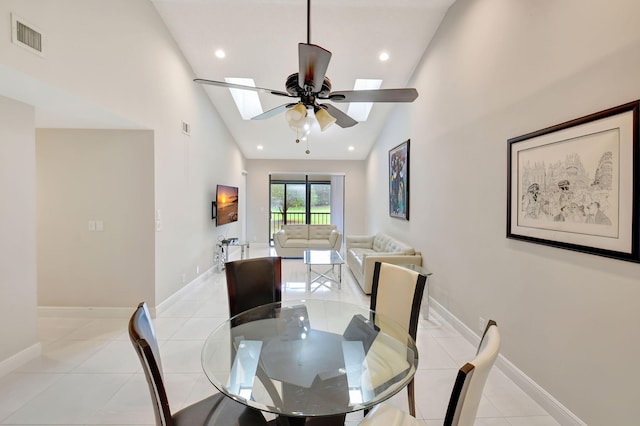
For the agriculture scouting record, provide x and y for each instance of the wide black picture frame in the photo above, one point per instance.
(399, 181)
(575, 185)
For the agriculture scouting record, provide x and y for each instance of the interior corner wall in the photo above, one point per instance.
(95, 239)
(497, 69)
(258, 203)
(18, 299)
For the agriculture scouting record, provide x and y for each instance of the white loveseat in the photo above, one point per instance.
(293, 240)
(363, 251)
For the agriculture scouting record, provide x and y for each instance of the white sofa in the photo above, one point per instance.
(363, 251)
(293, 240)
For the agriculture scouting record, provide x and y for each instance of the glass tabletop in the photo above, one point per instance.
(309, 358)
(322, 257)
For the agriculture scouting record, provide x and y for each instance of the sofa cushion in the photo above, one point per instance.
(395, 246)
(319, 244)
(320, 232)
(297, 231)
(383, 243)
(359, 253)
(296, 242)
(380, 241)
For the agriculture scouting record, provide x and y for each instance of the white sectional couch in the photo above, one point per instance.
(293, 240)
(363, 251)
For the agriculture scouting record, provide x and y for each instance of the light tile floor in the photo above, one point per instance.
(89, 374)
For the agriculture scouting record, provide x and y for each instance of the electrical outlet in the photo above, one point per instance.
(481, 324)
(197, 270)
(184, 277)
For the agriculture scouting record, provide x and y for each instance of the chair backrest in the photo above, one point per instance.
(397, 294)
(467, 389)
(143, 338)
(253, 282)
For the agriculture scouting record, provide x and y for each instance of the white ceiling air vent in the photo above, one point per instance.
(26, 35)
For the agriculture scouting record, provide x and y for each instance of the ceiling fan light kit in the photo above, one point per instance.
(310, 84)
(296, 115)
(324, 119)
(299, 120)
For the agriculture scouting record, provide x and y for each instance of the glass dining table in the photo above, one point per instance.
(309, 358)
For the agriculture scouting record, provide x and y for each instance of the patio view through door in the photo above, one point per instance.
(299, 199)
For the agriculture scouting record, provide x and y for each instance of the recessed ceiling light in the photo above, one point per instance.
(220, 53)
(351, 148)
(260, 147)
(383, 56)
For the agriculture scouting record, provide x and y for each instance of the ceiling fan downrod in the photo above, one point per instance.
(308, 21)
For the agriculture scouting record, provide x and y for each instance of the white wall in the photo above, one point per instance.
(118, 57)
(17, 230)
(258, 191)
(495, 70)
(95, 175)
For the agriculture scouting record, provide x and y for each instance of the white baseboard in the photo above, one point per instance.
(83, 312)
(169, 301)
(113, 312)
(19, 359)
(555, 409)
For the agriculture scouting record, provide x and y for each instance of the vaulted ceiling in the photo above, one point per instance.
(260, 40)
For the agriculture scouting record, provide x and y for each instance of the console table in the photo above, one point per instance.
(221, 255)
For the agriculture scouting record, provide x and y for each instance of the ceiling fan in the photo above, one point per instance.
(311, 85)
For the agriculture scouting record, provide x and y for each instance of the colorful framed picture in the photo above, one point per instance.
(575, 185)
(399, 181)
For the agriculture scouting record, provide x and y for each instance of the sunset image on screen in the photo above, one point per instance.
(227, 202)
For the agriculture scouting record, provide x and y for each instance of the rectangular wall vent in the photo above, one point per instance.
(186, 128)
(26, 35)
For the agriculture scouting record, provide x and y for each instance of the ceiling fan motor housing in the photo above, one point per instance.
(307, 96)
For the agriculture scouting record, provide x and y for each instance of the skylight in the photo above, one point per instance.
(359, 111)
(247, 101)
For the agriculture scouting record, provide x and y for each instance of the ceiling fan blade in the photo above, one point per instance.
(272, 112)
(314, 61)
(241, 87)
(342, 119)
(379, 95)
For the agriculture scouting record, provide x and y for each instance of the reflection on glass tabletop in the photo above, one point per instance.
(309, 358)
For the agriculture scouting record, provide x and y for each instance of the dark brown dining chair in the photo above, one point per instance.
(466, 393)
(253, 282)
(397, 294)
(258, 281)
(216, 410)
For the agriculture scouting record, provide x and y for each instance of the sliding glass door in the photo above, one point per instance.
(299, 201)
(320, 203)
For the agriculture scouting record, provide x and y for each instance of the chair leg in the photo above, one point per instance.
(412, 401)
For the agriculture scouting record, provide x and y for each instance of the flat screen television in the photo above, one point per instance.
(226, 204)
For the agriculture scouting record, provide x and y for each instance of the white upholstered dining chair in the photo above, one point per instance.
(397, 295)
(466, 393)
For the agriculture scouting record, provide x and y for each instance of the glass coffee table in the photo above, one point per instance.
(323, 258)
